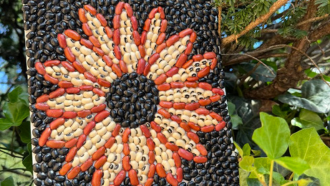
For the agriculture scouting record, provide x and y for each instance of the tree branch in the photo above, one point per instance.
(313, 19)
(264, 56)
(278, 4)
(219, 20)
(266, 47)
(320, 32)
(259, 62)
(292, 72)
(16, 171)
(267, 31)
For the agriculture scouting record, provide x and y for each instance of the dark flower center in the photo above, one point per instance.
(133, 100)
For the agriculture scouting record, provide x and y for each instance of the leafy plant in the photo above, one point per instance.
(235, 119)
(8, 182)
(15, 122)
(308, 119)
(15, 110)
(307, 155)
(314, 97)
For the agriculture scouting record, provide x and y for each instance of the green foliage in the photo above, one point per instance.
(309, 156)
(15, 123)
(8, 182)
(322, 3)
(324, 6)
(295, 164)
(242, 17)
(314, 97)
(261, 73)
(308, 119)
(15, 110)
(273, 136)
(27, 161)
(247, 110)
(307, 145)
(235, 119)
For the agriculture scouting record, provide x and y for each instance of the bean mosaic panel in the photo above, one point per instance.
(127, 93)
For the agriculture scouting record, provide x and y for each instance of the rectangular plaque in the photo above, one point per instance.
(127, 93)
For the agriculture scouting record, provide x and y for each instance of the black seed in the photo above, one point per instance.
(37, 181)
(187, 177)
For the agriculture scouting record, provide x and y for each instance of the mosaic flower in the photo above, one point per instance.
(128, 104)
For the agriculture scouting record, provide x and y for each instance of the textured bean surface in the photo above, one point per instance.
(127, 93)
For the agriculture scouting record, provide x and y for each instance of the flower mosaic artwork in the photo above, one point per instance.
(128, 105)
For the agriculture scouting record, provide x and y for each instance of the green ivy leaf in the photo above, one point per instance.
(308, 119)
(278, 178)
(315, 97)
(248, 110)
(239, 149)
(310, 73)
(8, 182)
(262, 165)
(14, 114)
(247, 163)
(243, 176)
(231, 108)
(27, 161)
(16, 110)
(235, 119)
(307, 145)
(25, 132)
(304, 182)
(295, 164)
(273, 136)
(246, 150)
(276, 110)
(253, 182)
(256, 152)
(5, 123)
(18, 94)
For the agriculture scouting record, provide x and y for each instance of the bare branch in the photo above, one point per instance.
(302, 52)
(261, 50)
(219, 20)
(259, 61)
(299, 24)
(313, 19)
(264, 56)
(16, 171)
(267, 31)
(278, 4)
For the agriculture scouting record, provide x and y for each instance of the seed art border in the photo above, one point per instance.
(127, 93)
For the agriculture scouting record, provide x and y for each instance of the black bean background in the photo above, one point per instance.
(46, 18)
(133, 100)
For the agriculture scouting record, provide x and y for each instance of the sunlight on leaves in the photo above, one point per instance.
(295, 164)
(262, 164)
(239, 149)
(273, 136)
(308, 119)
(247, 163)
(246, 150)
(307, 145)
